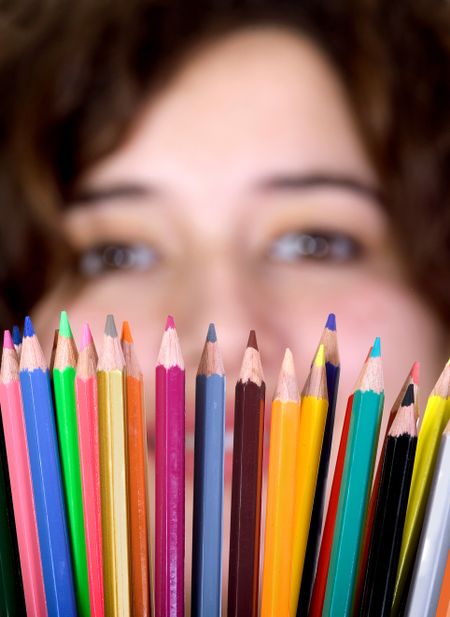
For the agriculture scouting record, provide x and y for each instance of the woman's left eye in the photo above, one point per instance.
(315, 245)
(112, 257)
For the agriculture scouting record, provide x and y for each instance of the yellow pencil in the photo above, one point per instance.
(313, 415)
(111, 410)
(280, 492)
(436, 416)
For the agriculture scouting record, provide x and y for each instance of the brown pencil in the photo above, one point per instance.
(246, 486)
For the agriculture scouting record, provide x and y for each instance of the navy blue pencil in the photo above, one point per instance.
(208, 482)
(46, 477)
(332, 367)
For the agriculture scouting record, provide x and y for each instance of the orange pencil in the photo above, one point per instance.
(137, 481)
(281, 493)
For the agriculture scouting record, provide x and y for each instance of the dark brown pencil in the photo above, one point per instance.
(246, 485)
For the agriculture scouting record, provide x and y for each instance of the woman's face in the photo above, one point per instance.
(243, 195)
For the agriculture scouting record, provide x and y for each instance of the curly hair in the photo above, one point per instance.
(73, 76)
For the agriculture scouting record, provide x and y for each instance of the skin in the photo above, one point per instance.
(211, 181)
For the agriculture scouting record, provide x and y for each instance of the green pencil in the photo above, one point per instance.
(355, 488)
(64, 384)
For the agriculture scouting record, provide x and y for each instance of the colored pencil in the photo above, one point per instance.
(436, 416)
(206, 597)
(434, 540)
(384, 547)
(169, 476)
(355, 486)
(17, 340)
(313, 416)
(332, 367)
(412, 379)
(323, 562)
(243, 579)
(66, 420)
(138, 507)
(113, 473)
(285, 419)
(88, 438)
(11, 589)
(46, 477)
(20, 478)
(443, 608)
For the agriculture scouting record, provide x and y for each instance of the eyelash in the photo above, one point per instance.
(315, 245)
(114, 257)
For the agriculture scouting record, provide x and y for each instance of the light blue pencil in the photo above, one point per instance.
(208, 482)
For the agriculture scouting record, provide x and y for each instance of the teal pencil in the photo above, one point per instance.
(355, 488)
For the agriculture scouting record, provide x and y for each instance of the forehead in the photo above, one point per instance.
(248, 103)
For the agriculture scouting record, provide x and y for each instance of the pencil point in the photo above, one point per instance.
(319, 360)
(64, 326)
(86, 337)
(376, 349)
(28, 329)
(288, 362)
(331, 322)
(16, 335)
(415, 369)
(126, 333)
(408, 397)
(211, 337)
(252, 340)
(170, 323)
(110, 327)
(7, 340)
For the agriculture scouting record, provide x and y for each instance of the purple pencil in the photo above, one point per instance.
(170, 477)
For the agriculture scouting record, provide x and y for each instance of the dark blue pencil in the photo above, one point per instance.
(208, 482)
(46, 477)
(332, 367)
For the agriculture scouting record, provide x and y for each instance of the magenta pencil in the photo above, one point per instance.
(88, 438)
(20, 479)
(170, 477)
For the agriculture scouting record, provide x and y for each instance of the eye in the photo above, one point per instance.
(112, 257)
(318, 245)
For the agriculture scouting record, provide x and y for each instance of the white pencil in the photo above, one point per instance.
(434, 541)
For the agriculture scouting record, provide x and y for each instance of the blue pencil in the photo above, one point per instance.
(333, 369)
(46, 477)
(208, 482)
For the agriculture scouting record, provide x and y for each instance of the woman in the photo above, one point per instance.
(248, 165)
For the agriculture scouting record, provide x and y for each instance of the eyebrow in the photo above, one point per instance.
(313, 181)
(115, 191)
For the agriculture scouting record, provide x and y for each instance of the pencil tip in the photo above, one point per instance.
(64, 325)
(86, 337)
(415, 370)
(126, 333)
(211, 337)
(170, 323)
(376, 349)
(28, 329)
(252, 340)
(319, 360)
(288, 362)
(408, 397)
(331, 322)
(110, 327)
(16, 335)
(7, 340)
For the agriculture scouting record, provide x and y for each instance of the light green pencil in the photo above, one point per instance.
(355, 488)
(64, 385)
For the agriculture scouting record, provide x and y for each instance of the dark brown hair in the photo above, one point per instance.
(73, 75)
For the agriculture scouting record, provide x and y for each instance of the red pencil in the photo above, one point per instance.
(88, 438)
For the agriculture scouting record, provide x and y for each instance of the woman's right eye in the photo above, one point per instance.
(116, 257)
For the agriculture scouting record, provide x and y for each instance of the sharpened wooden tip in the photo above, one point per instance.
(415, 372)
(110, 327)
(287, 386)
(405, 419)
(126, 333)
(252, 340)
(319, 359)
(211, 360)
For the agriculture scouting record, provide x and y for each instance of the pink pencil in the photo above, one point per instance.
(20, 478)
(88, 437)
(169, 465)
